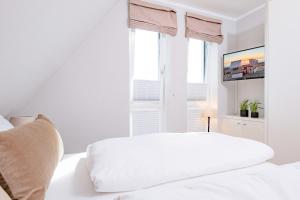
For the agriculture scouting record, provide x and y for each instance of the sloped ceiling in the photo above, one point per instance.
(36, 37)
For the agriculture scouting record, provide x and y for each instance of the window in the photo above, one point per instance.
(196, 75)
(148, 111)
(196, 84)
(146, 76)
(146, 55)
(146, 81)
(196, 61)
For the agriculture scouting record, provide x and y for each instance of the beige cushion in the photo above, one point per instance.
(3, 195)
(28, 157)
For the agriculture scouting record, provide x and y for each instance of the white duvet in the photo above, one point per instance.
(128, 164)
(281, 183)
(265, 182)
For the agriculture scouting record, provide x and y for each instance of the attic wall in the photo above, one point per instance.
(36, 38)
(88, 97)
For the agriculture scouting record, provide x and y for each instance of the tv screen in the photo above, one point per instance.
(245, 64)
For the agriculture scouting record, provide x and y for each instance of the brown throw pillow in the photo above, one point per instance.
(28, 157)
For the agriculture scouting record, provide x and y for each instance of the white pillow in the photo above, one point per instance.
(126, 164)
(4, 124)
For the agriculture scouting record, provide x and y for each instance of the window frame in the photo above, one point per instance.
(192, 102)
(149, 105)
(205, 50)
(195, 105)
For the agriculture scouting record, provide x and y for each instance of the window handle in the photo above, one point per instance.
(163, 70)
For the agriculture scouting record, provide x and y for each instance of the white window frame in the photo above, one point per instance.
(205, 46)
(198, 104)
(148, 105)
(193, 102)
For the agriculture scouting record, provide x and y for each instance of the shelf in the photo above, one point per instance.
(236, 117)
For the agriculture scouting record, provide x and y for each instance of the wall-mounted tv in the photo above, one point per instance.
(245, 64)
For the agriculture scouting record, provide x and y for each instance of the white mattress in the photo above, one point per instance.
(71, 180)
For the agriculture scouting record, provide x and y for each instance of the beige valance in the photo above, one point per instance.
(148, 16)
(203, 28)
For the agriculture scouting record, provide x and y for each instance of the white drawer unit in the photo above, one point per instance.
(244, 127)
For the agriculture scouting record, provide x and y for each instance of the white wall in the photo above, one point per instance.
(253, 37)
(36, 38)
(283, 81)
(254, 90)
(251, 30)
(88, 98)
(176, 78)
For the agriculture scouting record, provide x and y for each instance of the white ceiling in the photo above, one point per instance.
(36, 38)
(229, 8)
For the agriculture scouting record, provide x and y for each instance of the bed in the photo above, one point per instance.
(264, 180)
(71, 180)
(162, 166)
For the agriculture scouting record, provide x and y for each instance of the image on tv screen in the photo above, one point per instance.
(246, 64)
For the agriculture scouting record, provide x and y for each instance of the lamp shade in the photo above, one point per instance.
(209, 112)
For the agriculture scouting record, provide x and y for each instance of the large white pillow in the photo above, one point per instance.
(126, 164)
(4, 124)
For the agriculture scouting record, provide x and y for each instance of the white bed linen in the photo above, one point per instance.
(281, 183)
(5, 124)
(71, 180)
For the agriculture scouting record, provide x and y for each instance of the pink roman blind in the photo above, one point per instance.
(203, 28)
(148, 16)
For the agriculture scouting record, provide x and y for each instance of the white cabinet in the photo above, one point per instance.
(231, 127)
(244, 127)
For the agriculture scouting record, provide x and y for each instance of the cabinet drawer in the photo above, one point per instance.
(231, 127)
(254, 130)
